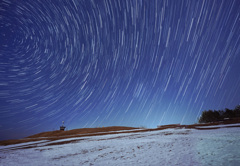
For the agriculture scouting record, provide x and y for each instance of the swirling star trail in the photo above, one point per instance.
(101, 63)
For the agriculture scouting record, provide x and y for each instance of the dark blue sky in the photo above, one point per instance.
(96, 63)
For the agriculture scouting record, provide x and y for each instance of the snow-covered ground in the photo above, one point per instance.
(164, 147)
(220, 126)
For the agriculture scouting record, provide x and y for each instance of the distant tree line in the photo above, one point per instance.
(219, 115)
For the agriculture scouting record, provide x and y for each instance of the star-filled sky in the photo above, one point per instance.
(95, 63)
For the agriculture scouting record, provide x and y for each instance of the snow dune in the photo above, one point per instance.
(164, 147)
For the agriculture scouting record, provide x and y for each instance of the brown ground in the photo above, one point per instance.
(56, 135)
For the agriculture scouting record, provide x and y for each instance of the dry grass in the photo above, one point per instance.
(57, 135)
(80, 131)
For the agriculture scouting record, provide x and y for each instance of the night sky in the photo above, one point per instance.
(94, 63)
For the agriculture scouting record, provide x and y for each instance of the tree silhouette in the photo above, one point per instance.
(220, 115)
(228, 113)
(237, 111)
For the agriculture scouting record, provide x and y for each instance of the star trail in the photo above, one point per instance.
(94, 63)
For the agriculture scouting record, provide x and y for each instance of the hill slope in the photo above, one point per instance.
(173, 146)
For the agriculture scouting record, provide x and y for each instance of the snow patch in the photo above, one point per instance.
(161, 147)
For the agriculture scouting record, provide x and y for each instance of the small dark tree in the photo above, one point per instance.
(203, 117)
(237, 111)
(237, 108)
(228, 113)
(216, 116)
(221, 113)
(207, 116)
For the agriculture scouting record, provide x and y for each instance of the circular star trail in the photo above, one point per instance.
(115, 62)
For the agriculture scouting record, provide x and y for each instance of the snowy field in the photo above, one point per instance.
(164, 147)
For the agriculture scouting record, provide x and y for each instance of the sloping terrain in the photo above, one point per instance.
(57, 135)
(170, 146)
